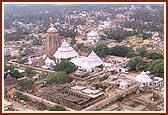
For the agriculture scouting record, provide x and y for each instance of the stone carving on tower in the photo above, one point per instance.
(53, 40)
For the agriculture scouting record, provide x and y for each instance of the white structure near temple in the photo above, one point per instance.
(143, 78)
(49, 63)
(44, 56)
(123, 84)
(92, 37)
(87, 63)
(157, 81)
(65, 52)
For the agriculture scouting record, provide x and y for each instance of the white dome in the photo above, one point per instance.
(88, 62)
(94, 60)
(143, 78)
(65, 51)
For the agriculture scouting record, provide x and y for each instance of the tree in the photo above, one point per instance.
(58, 78)
(26, 84)
(120, 51)
(137, 64)
(84, 48)
(118, 34)
(56, 108)
(154, 55)
(20, 96)
(13, 72)
(142, 52)
(29, 72)
(156, 67)
(101, 50)
(16, 74)
(131, 54)
(147, 35)
(68, 67)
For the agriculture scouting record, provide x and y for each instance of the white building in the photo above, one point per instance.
(93, 37)
(65, 52)
(49, 63)
(123, 84)
(143, 78)
(87, 63)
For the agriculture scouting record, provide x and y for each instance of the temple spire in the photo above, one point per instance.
(51, 20)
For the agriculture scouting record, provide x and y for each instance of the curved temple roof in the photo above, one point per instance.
(65, 51)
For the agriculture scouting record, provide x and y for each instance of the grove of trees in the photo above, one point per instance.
(58, 78)
(68, 67)
(25, 84)
(56, 108)
(156, 67)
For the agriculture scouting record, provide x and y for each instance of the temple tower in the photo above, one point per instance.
(53, 40)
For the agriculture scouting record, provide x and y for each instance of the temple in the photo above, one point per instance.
(53, 40)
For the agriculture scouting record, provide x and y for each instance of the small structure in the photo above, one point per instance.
(123, 84)
(65, 52)
(44, 56)
(143, 78)
(49, 63)
(157, 81)
(93, 37)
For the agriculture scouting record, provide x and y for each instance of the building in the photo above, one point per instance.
(49, 64)
(72, 96)
(143, 78)
(53, 40)
(93, 37)
(123, 84)
(65, 52)
(87, 63)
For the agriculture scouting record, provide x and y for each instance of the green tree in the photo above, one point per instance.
(29, 72)
(84, 48)
(142, 52)
(17, 94)
(26, 84)
(56, 108)
(137, 64)
(120, 51)
(20, 96)
(154, 55)
(16, 74)
(58, 78)
(147, 35)
(131, 54)
(13, 72)
(23, 97)
(118, 34)
(68, 67)
(101, 50)
(156, 67)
